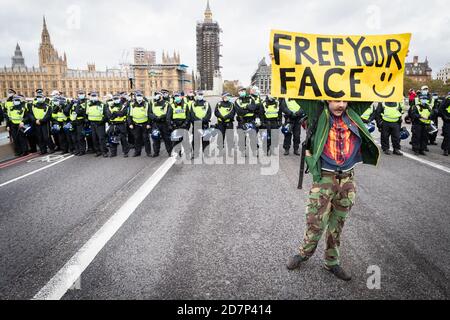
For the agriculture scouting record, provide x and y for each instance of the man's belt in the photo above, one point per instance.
(339, 174)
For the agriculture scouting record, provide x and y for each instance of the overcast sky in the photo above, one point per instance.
(102, 31)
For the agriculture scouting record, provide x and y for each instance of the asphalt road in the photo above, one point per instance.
(221, 231)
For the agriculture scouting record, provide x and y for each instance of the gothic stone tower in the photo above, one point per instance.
(48, 56)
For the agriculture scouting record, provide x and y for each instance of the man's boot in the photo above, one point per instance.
(387, 152)
(295, 262)
(398, 152)
(286, 152)
(445, 153)
(339, 272)
(296, 152)
(421, 152)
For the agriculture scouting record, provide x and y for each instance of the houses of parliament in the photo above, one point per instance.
(53, 74)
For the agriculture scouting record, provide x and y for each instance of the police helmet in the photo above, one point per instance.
(404, 133)
(156, 134)
(286, 129)
(176, 135)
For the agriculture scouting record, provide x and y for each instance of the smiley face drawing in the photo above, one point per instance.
(384, 96)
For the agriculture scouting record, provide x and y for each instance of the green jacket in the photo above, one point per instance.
(370, 151)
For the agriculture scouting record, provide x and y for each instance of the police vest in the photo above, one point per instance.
(200, 111)
(448, 109)
(244, 105)
(293, 106)
(138, 113)
(366, 115)
(425, 114)
(16, 116)
(271, 111)
(73, 115)
(179, 112)
(190, 103)
(59, 116)
(117, 108)
(391, 114)
(159, 111)
(94, 112)
(39, 113)
(8, 106)
(257, 99)
(224, 111)
(428, 102)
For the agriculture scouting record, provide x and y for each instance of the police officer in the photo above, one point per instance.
(293, 115)
(16, 119)
(166, 96)
(117, 118)
(389, 119)
(73, 139)
(49, 102)
(444, 112)
(96, 115)
(40, 115)
(79, 121)
(190, 98)
(426, 95)
(434, 117)
(158, 116)
(8, 103)
(420, 116)
(255, 93)
(126, 100)
(59, 120)
(200, 111)
(225, 114)
(246, 110)
(178, 116)
(271, 116)
(139, 123)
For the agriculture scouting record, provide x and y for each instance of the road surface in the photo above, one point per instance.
(217, 231)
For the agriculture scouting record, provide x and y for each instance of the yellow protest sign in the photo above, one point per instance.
(327, 67)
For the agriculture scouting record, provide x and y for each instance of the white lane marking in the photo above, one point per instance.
(33, 172)
(64, 279)
(50, 158)
(429, 163)
(432, 164)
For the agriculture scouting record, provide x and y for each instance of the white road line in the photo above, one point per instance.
(427, 162)
(432, 164)
(56, 288)
(33, 172)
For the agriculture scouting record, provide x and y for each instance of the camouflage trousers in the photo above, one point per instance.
(330, 201)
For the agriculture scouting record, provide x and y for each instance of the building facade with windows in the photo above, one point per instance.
(262, 77)
(444, 74)
(54, 74)
(418, 71)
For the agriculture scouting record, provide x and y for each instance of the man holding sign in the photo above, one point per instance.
(336, 78)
